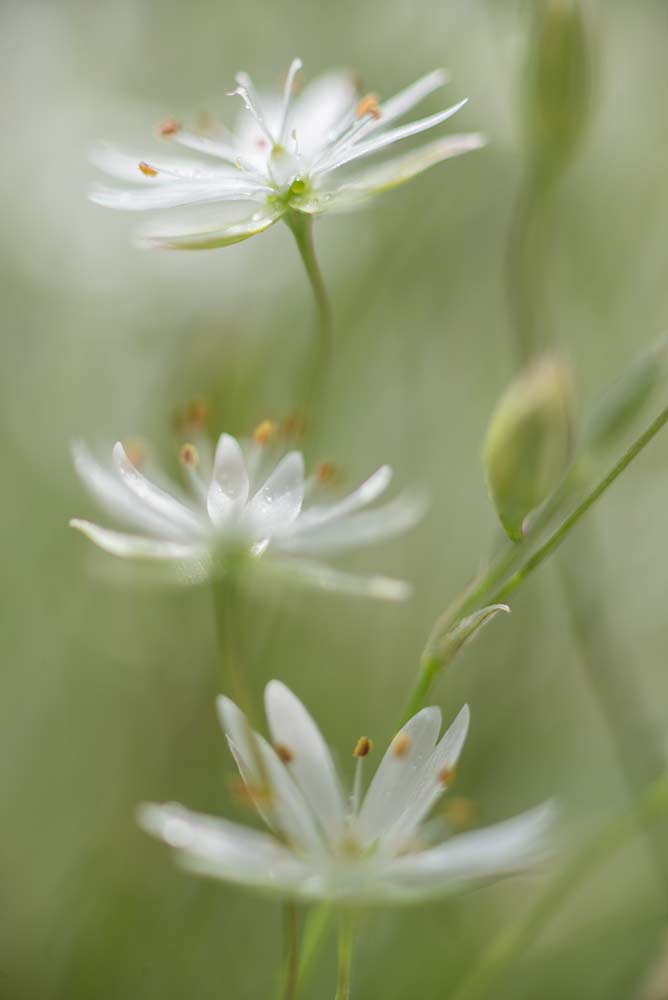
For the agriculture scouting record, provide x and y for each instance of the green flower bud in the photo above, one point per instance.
(557, 83)
(529, 443)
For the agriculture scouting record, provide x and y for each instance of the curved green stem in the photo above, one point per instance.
(514, 940)
(313, 938)
(484, 592)
(290, 976)
(345, 957)
(301, 225)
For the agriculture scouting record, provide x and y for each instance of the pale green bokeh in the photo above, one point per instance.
(106, 690)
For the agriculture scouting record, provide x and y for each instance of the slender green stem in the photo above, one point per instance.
(301, 225)
(345, 956)
(313, 938)
(484, 592)
(290, 976)
(514, 940)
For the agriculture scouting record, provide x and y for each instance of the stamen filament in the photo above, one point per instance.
(295, 66)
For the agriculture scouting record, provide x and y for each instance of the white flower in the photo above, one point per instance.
(233, 510)
(287, 154)
(325, 846)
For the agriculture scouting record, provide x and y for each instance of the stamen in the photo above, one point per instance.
(284, 753)
(402, 743)
(294, 426)
(461, 813)
(326, 473)
(169, 127)
(147, 169)
(369, 105)
(135, 451)
(265, 432)
(447, 775)
(363, 747)
(189, 456)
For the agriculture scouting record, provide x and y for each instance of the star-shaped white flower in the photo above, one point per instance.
(235, 509)
(324, 845)
(287, 154)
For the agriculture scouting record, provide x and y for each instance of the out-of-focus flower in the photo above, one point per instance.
(235, 510)
(287, 154)
(324, 845)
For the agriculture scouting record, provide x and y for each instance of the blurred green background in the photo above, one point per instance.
(107, 685)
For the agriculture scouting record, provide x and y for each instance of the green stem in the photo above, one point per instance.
(290, 975)
(514, 940)
(301, 224)
(313, 938)
(483, 591)
(345, 957)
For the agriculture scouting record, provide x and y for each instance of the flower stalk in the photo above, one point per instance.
(301, 226)
(487, 591)
(345, 963)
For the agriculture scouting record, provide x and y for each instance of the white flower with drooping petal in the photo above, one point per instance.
(324, 845)
(234, 509)
(287, 154)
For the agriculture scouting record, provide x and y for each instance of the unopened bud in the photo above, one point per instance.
(529, 442)
(557, 82)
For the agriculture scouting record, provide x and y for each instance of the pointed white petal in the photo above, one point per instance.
(317, 574)
(126, 167)
(178, 194)
(358, 150)
(228, 492)
(492, 852)
(431, 782)
(136, 546)
(393, 173)
(278, 502)
(154, 498)
(357, 530)
(222, 849)
(403, 102)
(170, 237)
(115, 498)
(365, 494)
(285, 809)
(319, 109)
(394, 783)
(311, 765)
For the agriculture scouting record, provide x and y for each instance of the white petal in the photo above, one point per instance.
(320, 108)
(278, 502)
(393, 173)
(114, 497)
(136, 546)
(172, 238)
(317, 574)
(311, 766)
(126, 167)
(178, 194)
(365, 494)
(222, 849)
(406, 99)
(228, 492)
(357, 530)
(387, 138)
(430, 786)
(286, 811)
(154, 498)
(492, 852)
(394, 783)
